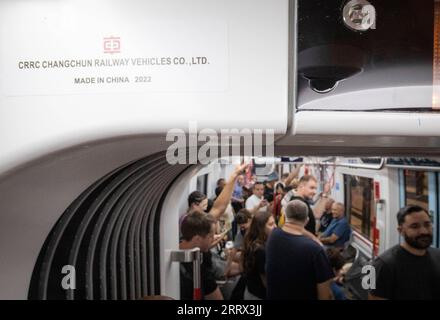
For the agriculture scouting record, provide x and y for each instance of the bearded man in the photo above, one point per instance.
(410, 270)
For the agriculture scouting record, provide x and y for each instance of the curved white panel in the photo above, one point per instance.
(235, 67)
(33, 199)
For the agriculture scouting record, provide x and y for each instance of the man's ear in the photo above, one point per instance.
(196, 240)
(399, 228)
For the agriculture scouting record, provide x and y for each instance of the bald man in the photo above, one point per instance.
(339, 231)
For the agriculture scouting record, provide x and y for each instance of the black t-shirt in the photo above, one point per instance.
(294, 266)
(325, 220)
(401, 275)
(208, 283)
(268, 193)
(253, 279)
(311, 225)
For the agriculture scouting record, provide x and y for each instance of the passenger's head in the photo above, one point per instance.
(198, 228)
(269, 225)
(337, 261)
(415, 226)
(279, 188)
(243, 219)
(197, 201)
(261, 226)
(258, 189)
(338, 210)
(240, 180)
(307, 187)
(328, 204)
(297, 212)
(221, 182)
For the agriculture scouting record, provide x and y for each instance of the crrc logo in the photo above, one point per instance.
(112, 45)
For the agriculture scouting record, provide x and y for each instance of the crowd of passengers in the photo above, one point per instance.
(288, 242)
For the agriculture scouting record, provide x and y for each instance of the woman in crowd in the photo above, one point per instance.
(254, 255)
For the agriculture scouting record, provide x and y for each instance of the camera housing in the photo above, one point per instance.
(324, 66)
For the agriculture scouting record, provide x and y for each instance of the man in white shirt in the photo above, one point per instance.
(256, 202)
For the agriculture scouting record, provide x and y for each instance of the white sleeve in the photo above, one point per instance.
(249, 203)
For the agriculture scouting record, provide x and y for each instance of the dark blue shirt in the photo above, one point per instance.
(253, 277)
(294, 266)
(338, 292)
(341, 228)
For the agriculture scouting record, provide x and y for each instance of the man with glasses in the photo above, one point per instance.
(410, 270)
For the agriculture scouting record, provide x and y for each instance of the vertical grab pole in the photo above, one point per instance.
(195, 256)
(197, 276)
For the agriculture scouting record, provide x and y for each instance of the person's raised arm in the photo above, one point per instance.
(294, 174)
(224, 197)
(319, 207)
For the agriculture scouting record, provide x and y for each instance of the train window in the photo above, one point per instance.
(416, 188)
(360, 207)
(202, 183)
